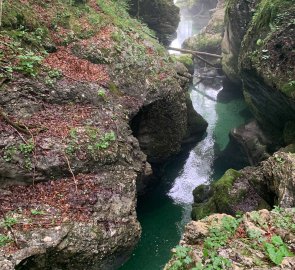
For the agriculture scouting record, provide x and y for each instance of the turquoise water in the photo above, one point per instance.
(166, 209)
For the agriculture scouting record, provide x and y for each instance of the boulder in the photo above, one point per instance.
(252, 188)
(254, 144)
(164, 22)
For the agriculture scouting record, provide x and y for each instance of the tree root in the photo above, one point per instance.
(18, 126)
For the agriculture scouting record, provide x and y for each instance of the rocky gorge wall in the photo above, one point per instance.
(258, 49)
(257, 56)
(79, 81)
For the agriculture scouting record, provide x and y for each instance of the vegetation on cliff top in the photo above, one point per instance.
(256, 239)
(32, 29)
(272, 49)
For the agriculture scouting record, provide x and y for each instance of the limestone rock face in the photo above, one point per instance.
(252, 141)
(252, 188)
(240, 244)
(161, 16)
(259, 50)
(237, 18)
(278, 174)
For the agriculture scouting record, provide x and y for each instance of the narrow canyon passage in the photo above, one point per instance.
(165, 210)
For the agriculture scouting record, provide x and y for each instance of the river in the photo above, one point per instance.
(165, 210)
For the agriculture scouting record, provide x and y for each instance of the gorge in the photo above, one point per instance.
(109, 145)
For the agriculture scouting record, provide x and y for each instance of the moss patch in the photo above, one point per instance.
(221, 200)
(222, 188)
(204, 42)
(201, 210)
(270, 52)
(185, 59)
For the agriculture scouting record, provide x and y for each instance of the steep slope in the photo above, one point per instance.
(74, 75)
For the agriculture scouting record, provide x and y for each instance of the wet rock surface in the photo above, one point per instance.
(252, 188)
(210, 37)
(237, 18)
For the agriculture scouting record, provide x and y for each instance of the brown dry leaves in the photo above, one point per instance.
(58, 201)
(76, 68)
(102, 39)
(59, 119)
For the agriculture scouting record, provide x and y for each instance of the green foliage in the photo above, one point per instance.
(259, 42)
(25, 150)
(25, 36)
(283, 219)
(52, 76)
(277, 250)
(37, 212)
(255, 216)
(103, 142)
(4, 240)
(95, 140)
(9, 222)
(28, 63)
(9, 152)
(255, 235)
(101, 93)
(216, 262)
(117, 12)
(182, 258)
(72, 146)
(218, 235)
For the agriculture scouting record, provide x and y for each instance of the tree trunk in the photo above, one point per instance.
(195, 52)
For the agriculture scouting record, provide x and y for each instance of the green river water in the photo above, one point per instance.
(165, 210)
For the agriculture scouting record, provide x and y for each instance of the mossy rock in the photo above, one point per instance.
(202, 193)
(222, 188)
(201, 210)
(220, 201)
(204, 42)
(185, 59)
